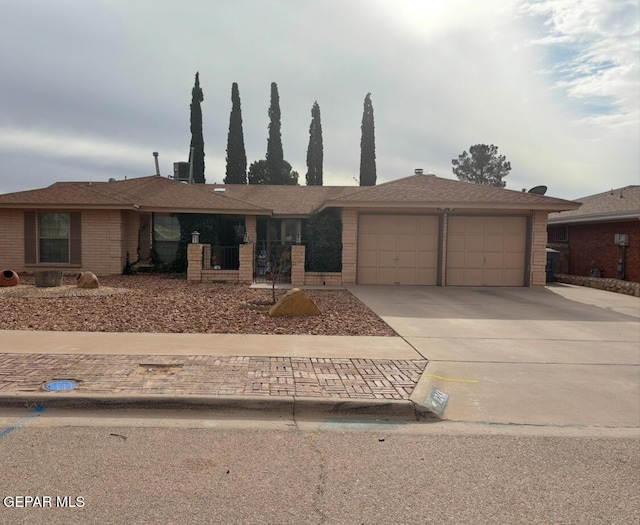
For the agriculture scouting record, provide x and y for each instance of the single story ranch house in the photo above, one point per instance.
(417, 230)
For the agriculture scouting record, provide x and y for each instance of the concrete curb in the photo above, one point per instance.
(258, 406)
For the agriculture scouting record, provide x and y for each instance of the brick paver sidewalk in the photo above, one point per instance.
(210, 375)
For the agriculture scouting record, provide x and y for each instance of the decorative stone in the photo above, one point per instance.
(48, 278)
(87, 280)
(294, 302)
(9, 278)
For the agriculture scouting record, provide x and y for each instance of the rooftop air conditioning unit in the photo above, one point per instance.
(181, 171)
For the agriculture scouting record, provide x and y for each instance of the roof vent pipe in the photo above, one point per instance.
(155, 155)
(418, 171)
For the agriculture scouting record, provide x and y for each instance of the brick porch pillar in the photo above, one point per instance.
(245, 275)
(297, 264)
(194, 262)
(349, 245)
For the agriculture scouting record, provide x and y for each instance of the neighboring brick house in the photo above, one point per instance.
(421, 229)
(591, 238)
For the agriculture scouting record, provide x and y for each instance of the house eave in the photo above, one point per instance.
(608, 217)
(449, 205)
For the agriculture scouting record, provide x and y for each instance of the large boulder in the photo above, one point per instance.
(294, 302)
(87, 280)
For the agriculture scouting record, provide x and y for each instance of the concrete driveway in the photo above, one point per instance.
(557, 355)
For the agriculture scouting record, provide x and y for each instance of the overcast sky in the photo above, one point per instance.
(90, 88)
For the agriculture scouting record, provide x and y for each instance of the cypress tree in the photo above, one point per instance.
(315, 150)
(275, 156)
(236, 154)
(197, 140)
(367, 146)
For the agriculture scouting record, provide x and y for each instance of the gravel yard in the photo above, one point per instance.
(151, 303)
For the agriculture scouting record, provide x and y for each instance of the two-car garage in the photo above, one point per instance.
(412, 249)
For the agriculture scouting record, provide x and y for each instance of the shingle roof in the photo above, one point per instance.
(158, 193)
(152, 193)
(284, 200)
(421, 190)
(621, 203)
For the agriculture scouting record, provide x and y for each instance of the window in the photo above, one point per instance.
(166, 237)
(561, 234)
(54, 237)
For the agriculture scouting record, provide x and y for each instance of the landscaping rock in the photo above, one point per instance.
(294, 302)
(48, 278)
(87, 280)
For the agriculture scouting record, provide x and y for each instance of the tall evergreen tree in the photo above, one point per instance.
(275, 156)
(197, 140)
(367, 146)
(236, 155)
(315, 151)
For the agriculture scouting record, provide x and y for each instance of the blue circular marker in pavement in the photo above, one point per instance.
(63, 385)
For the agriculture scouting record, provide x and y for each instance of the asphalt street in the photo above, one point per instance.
(188, 468)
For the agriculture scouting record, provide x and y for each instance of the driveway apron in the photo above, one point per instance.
(554, 355)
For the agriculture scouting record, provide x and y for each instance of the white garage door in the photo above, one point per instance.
(486, 251)
(398, 249)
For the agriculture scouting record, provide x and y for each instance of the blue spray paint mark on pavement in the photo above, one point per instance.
(36, 412)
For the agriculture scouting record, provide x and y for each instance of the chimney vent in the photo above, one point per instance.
(418, 171)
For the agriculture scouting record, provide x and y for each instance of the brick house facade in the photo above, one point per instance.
(586, 237)
(426, 230)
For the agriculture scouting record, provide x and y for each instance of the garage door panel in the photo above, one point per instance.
(426, 276)
(513, 277)
(406, 242)
(407, 260)
(493, 277)
(516, 225)
(407, 225)
(386, 276)
(514, 260)
(474, 243)
(486, 251)
(388, 225)
(368, 275)
(473, 276)
(455, 260)
(494, 260)
(427, 259)
(474, 260)
(494, 244)
(386, 259)
(494, 226)
(398, 249)
(427, 242)
(368, 224)
(368, 242)
(514, 243)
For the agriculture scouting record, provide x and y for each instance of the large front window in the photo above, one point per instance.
(54, 237)
(166, 237)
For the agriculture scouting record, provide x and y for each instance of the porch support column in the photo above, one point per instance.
(349, 245)
(250, 227)
(194, 262)
(297, 264)
(245, 274)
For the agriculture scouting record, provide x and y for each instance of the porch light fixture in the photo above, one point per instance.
(247, 238)
(195, 237)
